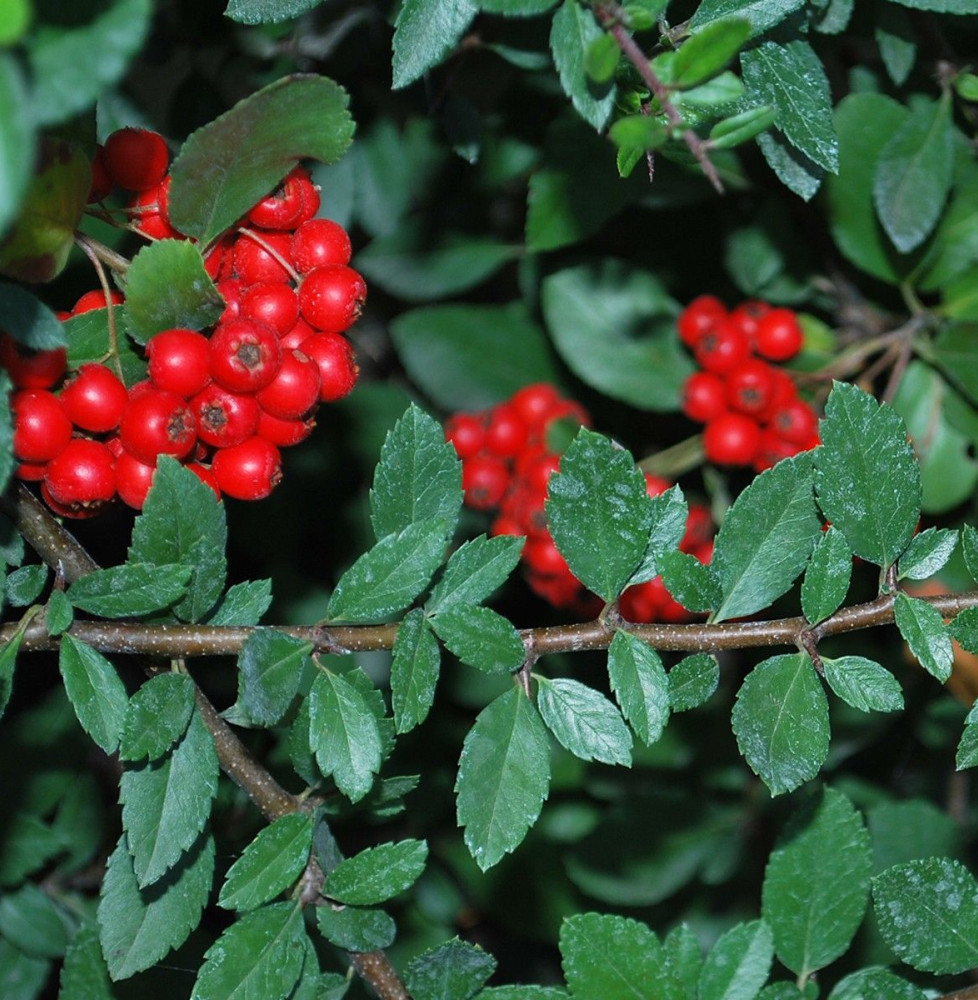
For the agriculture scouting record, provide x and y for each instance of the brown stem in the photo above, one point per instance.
(376, 969)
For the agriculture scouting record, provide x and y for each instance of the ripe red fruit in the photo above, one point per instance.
(83, 473)
(748, 315)
(133, 479)
(320, 243)
(95, 299)
(148, 211)
(467, 432)
(796, 422)
(31, 369)
(779, 335)
(281, 209)
(157, 423)
(272, 303)
(42, 429)
(338, 370)
(94, 399)
(331, 298)
(232, 291)
(179, 361)
(295, 389)
(722, 348)
(484, 480)
(535, 402)
(261, 257)
(244, 355)
(101, 186)
(507, 433)
(224, 418)
(750, 387)
(704, 396)
(701, 316)
(248, 471)
(206, 476)
(284, 433)
(135, 158)
(772, 449)
(731, 439)
(543, 557)
(656, 485)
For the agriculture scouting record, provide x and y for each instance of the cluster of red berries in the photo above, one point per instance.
(509, 453)
(751, 407)
(223, 404)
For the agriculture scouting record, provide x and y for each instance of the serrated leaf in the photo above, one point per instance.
(419, 477)
(599, 513)
(137, 927)
(424, 33)
(964, 629)
(388, 577)
(229, 164)
(738, 965)
(183, 522)
(377, 874)
(866, 476)
(23, 586)
(58, 613)
(343, 734)
(90, 341)
(270, 667)
(875, 982)
(781, 721)
(267, 11)
(480, 637)
(454, 969)
(415, 667)
(243, 604)
(692, 681)
(257, 958)
(84, 975)
(95, 690)
(157, 716)
(130, 590)
(740, 128)
(475, 570)
(523, 993)
(927, 553)
(827, 577)
(928, 914)
(584, 721)
(692, 583)
(922, 627)
(167, 288)
(708, 50)
(863, 683)
(762, 14)
(166, 803)
(682, 949)
(573, 31)
(270, 864)
(640, 685)
(913, 175)
(816, 884)
(669, 515)
(355, 929)
(503, 777)
(766, 538)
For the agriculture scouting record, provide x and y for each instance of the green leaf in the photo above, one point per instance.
(762, 14)
(864, 684)
(167, 288)
(270, 668)
(781, 721)
(28, 845)
(516, 8)
(84, 975)
(640, 685)
(692, 681)
(243, 604)
(864, 445)
(480, 637)
(692, 583)
(827, 577)
(766, 538)
(183, 522)
(922, 627)
(157, 716)
(129, 590)
(166, 803)
(969, 548)
(25, 318)
(226, 166)
(740, 128)
(607, 957)
(424, 33)
(669, 514)
(928, 914)
(470, 356)
(964, 629)
(259, 957)
(875, 982)
(967, 752)
(909, 829)
(523, 993)
(913, 175)
(72, 66)
(601, 59)
(58, 613)
(453, 970)
(24, 585)
(95, 691)
(896, 41)
(343, 734)
(22, 977)
(503, 777)
(615, 328)
(377, 874)
(599, 513)
(415, 667)
(708, 51)
(738, 964)
(419, 476)
(476, 569)
(387, 578)
(584, 721)
(90, 341)
(267, 11)
(573, 32)
(927, 553)
(270, 864)
(792, 79)
(8, 660)
(30, 920)
(16, 135)
(355, 929)
(639, 132)
(816, 884)
(137, 927)
(682, 949)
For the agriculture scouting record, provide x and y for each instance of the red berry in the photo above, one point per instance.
(248, 471)
(95, 299)
(338, 370)
(484, 480)
(31, 369)
(722, 348)
(467, 432)
(543, 557)
(331, 298)
(244, 355)
(656, 485)
(796, 422)
(284, 433)
(750, 387)
(283, 208)
(731, 439)
(83, 473)
(536, 472)
(320, 243)
(772, 449)
(507, 433)
(748, 315)
(94, 399)
(218, 257)
(31, 472)
(42, 429)
(295, 389)
(224, 418)
(261, 257)
(101, 186)
(641, 602)
(135, 158)
(157, 423)
(701, 316)
(699, 528)
(778, 336)
(133, 479)
(535, 402)
(301, 331)
(179, 361)
(272, 303)
(704, 396)
(206, 476)
(148, 210)
(232, 291)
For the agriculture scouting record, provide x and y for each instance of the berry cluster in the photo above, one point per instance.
(508, 454)
(751, 407)
(223, 404)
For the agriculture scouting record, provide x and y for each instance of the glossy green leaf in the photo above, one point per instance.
(922, 627)
(682, 948)
(875, 982)
(243, 604)
(927, 553)
(601, 59)
(969, 548)
(24, 585)
(377, 874)
(762, 14)
(864, 446)
(31, 921)
(167, 288)
(230, 163)
(816, 884)
(91, 341)
(928, 914)
(425, 32)
(166, 803)
(964, 629)
(781, 721)
(503, 777)
(709, 50)
(270, 667)
(640, 685)
(692, 583)
(16, 135)
(353, 928)
(84, 975)
(573, 32)
(742, 127)
(270, 864)
(738, 964)
(95, 691)
(669, 514)
(863, 683)
(475, 570)
(584, 721)
(692, 681)
(130, 590)
(267, 11)
(967, 753)
(157, 716)
(827, 577)
(480, 637)
(58, 614)
(415, 667)
(454, 969)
